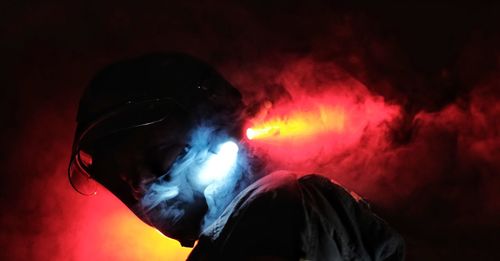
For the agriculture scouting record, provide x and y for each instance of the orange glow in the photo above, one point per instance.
(300, 124)
(113, 232)
(148, 242)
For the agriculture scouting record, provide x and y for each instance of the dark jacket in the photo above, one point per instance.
(282, 217)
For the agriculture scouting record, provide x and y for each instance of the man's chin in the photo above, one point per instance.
(185, 239)
(187, 242)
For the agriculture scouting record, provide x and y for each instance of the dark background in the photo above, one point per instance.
(422, 56)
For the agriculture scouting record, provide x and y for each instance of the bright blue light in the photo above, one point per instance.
(219, 165)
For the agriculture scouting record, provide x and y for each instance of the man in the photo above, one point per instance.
(163, 133)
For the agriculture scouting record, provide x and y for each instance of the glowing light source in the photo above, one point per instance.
(260, 132)
(300, 124)
(220, 164)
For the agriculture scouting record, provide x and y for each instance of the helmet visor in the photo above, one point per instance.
(79, 175)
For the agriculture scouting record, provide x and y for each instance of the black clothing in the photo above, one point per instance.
(280, 217)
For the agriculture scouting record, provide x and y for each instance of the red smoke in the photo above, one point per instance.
(449, 148)
(456, 144)
(445, 176)
(308, 129)
(428, 157)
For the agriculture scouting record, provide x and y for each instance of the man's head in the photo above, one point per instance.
(147, 129)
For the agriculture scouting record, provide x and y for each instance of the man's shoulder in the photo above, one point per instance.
(276, 180)
(261, 197)
(272, 189)
(264, 219)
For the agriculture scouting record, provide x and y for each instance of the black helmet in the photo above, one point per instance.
(144, 91)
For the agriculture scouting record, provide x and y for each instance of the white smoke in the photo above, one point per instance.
(213, 164)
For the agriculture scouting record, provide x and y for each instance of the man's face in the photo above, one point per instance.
(134, 165)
